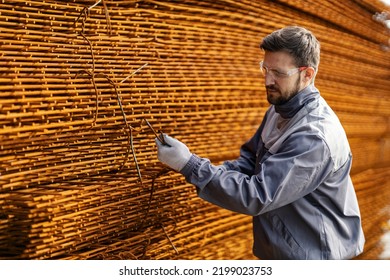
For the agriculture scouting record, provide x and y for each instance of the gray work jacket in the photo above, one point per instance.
(293, 177)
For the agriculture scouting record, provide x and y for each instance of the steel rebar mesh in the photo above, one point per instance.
(79, 175)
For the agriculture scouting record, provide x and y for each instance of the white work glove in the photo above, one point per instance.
(176, 155)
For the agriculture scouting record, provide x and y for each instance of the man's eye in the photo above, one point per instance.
(277, 73)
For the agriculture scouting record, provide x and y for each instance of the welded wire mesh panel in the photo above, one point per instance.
(83, 85)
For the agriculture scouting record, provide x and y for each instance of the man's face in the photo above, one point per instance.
(279, 86)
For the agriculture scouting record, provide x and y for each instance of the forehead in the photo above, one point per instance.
(279, 59)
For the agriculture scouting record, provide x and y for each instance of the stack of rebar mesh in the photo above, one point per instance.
(85, 85)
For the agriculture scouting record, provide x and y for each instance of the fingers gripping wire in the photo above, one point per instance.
(160, 137)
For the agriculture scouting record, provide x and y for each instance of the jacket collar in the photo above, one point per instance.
(289, 109)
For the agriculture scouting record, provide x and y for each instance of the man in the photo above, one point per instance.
(292, 176)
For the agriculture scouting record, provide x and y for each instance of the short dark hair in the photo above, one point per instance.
(298, 42)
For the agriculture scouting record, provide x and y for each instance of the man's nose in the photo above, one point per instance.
(269, 79)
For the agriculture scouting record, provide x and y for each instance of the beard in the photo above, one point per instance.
(277, 97)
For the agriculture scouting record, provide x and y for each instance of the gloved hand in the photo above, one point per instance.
(176, 156)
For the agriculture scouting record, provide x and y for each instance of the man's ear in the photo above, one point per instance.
(309, 74)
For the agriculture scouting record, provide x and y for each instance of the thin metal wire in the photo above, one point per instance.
(139, 69)
(94, 5)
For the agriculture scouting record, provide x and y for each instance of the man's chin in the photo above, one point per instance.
(272, 97)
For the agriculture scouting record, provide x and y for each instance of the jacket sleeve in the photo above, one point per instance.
(298, 168)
